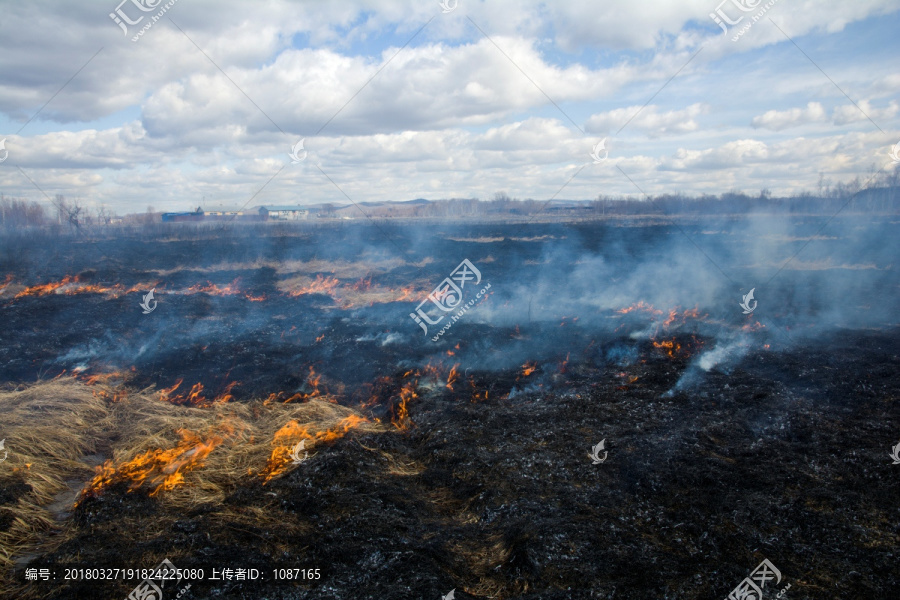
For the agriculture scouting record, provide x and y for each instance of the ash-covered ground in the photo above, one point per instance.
(728, 438)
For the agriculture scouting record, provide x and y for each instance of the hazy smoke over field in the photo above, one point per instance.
(340, 298)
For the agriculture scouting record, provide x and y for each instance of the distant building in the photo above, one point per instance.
(219, 215)
(181, 217)
(284, 213)
(209, 215)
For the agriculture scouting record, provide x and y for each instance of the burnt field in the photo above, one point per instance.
(277, 408)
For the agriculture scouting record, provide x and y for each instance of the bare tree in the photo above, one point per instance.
(68, 212)
(104, 215)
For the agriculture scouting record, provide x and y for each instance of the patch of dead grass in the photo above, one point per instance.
(184, 456)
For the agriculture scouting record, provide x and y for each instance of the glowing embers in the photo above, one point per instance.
(664, 327)
(477, 396)
(674, 317)
(287, 438)
(161, 468)
(679, 347)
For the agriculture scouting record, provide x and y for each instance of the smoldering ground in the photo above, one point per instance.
(629, 330)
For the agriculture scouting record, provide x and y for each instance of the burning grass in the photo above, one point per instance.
(183, 456)
(202, 452)
(352, 287)
(351, 293)
(71, 285)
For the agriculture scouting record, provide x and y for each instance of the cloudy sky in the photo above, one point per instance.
(401, 99)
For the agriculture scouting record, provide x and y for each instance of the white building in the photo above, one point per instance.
(284, 213)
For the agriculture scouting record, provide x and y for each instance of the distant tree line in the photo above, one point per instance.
(880, 194)
(877, 194)
(63, 212)
(20, 213)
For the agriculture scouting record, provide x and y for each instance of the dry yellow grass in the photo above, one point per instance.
(184, 456)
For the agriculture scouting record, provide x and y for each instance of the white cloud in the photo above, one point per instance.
(777, 120)
(648, 120)
(156, 122)
(863, 111)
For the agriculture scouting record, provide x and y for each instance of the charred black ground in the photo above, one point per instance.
(731, 438)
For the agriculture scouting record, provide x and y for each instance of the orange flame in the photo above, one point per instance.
(101, 377)
(528, 368)
(321, 285)
(165, 392)
(196, 397)
(313, 381)
(430, 370)
(400, 418)
(641, 306)
(226, 395)
(115, 379)
(288, 436)
(451, 379)
(164, 469)
(691, 313)
(671, 347)
(69, 285)
(476, 395)
(363, 285)
(214, 290)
